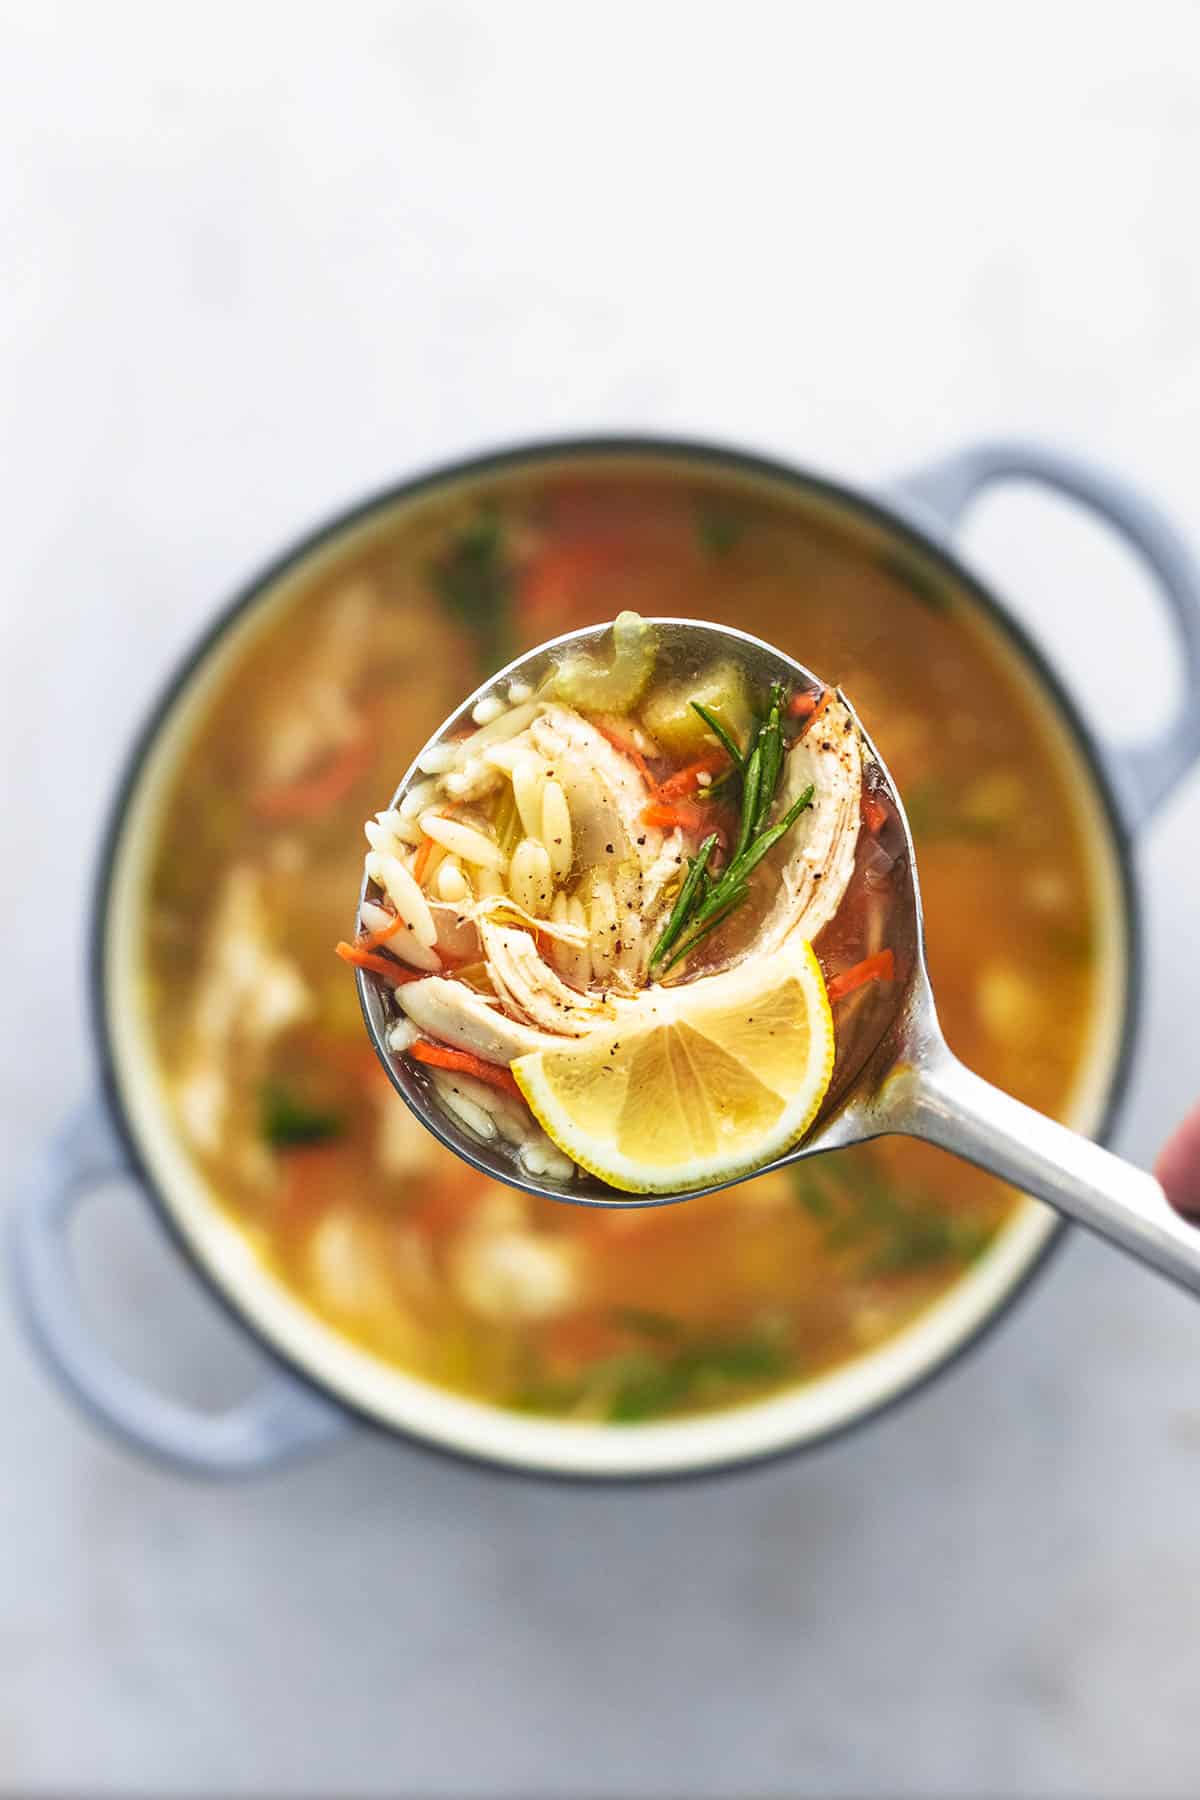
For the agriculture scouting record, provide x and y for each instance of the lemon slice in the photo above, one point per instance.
(697, 1084)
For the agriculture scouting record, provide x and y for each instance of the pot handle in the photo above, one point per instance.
(283, 1419)
(1144, 774)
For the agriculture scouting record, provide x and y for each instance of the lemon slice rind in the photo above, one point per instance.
(696, 1085)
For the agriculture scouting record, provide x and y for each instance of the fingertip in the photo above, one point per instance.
(1178, 1166)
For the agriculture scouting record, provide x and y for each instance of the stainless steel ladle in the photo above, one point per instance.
(911, 1082)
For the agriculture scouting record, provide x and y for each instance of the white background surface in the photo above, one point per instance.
(256, 259)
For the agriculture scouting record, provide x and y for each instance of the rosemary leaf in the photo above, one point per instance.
(732, 900)
(719, 783)
(772, 749)
(719, 732)
(697, 866)
(750, 786)
(741, 866)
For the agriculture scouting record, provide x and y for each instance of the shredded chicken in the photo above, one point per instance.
(455, 1013)
(248, 993)
(524, 979)
(503, 1270)
(817, 856)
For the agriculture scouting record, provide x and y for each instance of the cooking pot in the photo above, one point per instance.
(316, 1385)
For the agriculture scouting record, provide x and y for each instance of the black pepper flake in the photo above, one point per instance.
(641, 841)
(608, 849)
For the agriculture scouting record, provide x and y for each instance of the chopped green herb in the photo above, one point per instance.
(925, 1240)
(474, 582)
(647, 1386)
(811, 1193)
(288, 1122)
(649, 1324)
(892, 1230)
(718, 529)
(666, 1374)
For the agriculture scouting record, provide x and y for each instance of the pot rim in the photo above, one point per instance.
(877, 509)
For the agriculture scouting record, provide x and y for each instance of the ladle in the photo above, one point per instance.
(910, 1083)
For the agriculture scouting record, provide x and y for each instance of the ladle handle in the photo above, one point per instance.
(947, 1104)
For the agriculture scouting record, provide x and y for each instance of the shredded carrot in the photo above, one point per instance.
(382, 965)
(371, 940)
(448, 1206)
(874, 813)
(802, 705)
(686, 781)
(314, 794)
(880, 967)
(440, 1056)
(552, 581)
(631, 751)
(679, 812)
(818, 709)
(309, 1184)
(420, 866)
(580, 1339)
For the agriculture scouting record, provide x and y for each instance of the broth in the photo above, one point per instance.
(618, 1316)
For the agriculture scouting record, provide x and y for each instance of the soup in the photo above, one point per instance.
(622, 1315)
(594, 913)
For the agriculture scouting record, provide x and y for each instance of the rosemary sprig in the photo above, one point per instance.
(696, 875)
(704, 900)
(767, 840)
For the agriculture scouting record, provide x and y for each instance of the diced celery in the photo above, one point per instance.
(583, 681)
(671, 719)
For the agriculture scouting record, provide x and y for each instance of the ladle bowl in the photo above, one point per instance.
(909, 1083)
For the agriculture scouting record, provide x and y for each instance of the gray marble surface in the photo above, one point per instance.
(257, 259)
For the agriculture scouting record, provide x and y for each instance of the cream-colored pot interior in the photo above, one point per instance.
(411, 1405)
